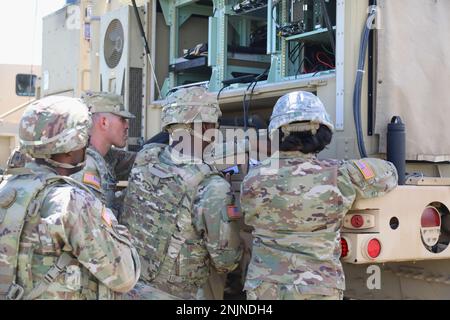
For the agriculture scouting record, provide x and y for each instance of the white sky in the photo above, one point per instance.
(21, 29)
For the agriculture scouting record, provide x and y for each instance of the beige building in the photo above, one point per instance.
(17, 88)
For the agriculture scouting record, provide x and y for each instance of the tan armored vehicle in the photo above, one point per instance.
(368, 61)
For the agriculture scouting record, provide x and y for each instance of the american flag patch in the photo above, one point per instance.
(106, 217)
(91, 179)
(233, 213)
(365, 169)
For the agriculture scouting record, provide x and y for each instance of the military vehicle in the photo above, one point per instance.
(374, 64)
(18, 89)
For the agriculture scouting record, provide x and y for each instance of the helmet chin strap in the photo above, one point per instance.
(64, 165)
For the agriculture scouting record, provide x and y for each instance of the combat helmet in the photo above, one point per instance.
(190, 105)
(54, 125)
(299, 106)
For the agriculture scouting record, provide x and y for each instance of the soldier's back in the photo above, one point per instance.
(167, 202)
(295, 211)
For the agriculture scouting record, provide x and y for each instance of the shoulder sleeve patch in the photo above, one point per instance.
(106, 217)
(92, 180)
(365, 169)
(233, 212)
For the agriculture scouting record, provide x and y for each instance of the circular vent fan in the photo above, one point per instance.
(113, 45)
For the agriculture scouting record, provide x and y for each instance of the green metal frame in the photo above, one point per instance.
(218, 33)
(177, 12)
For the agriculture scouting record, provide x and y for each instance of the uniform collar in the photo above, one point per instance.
(41, 168)
(93, 149)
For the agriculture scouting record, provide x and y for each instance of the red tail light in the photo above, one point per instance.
(357, 221)
(374, 248)
(344, 248)
(430, 223)
(430, 218)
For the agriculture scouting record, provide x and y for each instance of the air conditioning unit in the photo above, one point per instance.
(122, 64)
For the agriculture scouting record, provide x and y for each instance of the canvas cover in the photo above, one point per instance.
(413, 79)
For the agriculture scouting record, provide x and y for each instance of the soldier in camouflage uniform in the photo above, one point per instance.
(298, 209)
(58, 241)
(105, 165)
(180, 210)
(17, 159)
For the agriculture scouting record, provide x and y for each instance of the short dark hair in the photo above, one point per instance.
(306, 142)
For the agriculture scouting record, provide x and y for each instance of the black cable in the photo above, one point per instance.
(358, 83)
(294, 50)
(298, 48)
(141, 27)
(147, 48)
(300, 66)
(298, 57)
(220, 91)
(325, 49)
(246, 105)
(329, 26)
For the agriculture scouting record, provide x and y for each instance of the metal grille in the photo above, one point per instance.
(113, 43)
(135, 102)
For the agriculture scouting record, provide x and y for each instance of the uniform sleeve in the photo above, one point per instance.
(90, 177)
(371, 177)
(249, 198)
(121, 162)
(211, 218)
(91, 233)
(346, 187)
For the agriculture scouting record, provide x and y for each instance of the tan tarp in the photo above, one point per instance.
(414, 75)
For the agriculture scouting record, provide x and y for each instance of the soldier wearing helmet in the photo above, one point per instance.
(180, 210)
(105, 164)
(297, 210)
(58, 240)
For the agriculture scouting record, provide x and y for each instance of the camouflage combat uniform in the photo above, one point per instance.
(58, 240)
(101, 174)
(297, 212)
(179, 210)
(17, 159)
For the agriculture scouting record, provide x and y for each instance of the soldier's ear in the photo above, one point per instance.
(104, 121)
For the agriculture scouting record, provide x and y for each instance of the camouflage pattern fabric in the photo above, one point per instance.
(269, 291)
(297, 214)
(190, 105)
(106, 102)
(297, 107)
(50, 126)
(72, 220)
(142, 291)
(17, 159)
(177, 213)
(101, 174)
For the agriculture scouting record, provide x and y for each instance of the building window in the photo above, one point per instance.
(26, 85)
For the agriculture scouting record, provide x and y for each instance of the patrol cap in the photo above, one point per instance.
(106, 102)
